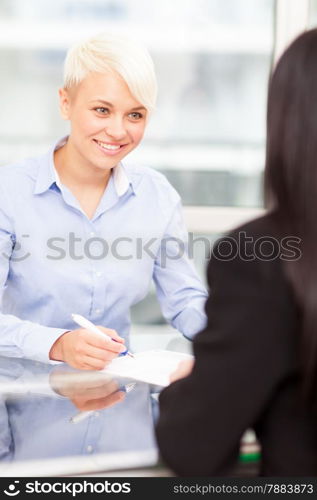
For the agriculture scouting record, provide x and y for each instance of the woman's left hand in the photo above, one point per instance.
(183, 370)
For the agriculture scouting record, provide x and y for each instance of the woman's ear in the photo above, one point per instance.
(64, 103)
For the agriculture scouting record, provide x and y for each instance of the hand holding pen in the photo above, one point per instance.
(87, 348)
(85, 323)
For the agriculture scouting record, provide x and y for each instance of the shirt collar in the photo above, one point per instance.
(48, 175)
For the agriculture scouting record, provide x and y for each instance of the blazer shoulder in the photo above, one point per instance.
(265, 226)
(254, 253)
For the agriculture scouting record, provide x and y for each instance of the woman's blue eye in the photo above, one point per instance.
(102, 110)
(135, 115)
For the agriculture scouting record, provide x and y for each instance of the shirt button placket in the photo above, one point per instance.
(98, 286)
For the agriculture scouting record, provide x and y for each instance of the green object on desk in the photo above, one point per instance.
(250, 457)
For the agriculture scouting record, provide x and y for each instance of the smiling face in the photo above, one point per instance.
(107, 122)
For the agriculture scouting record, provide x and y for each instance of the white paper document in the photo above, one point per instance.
(153, 367)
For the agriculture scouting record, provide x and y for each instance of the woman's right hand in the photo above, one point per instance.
(85, 350)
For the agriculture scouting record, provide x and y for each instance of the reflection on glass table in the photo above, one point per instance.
(38, 403)
(37, 406)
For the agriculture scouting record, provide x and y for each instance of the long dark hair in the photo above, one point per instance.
(291, 180)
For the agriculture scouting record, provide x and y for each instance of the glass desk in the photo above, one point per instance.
(44, 431)
(38, 403)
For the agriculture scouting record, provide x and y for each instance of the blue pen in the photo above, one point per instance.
(85, 323)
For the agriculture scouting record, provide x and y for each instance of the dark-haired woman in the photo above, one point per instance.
(256, 361)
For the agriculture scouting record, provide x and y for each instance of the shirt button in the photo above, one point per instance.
(89, 448)
(97, 311)
(92, 233)
(98, 274)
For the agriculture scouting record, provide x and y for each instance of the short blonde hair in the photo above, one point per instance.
(108, 52)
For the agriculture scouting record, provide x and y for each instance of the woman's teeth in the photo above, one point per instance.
(111, 147)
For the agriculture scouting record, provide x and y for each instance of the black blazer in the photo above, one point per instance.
(246, 373)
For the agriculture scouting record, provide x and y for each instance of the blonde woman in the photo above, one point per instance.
(80, 232)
